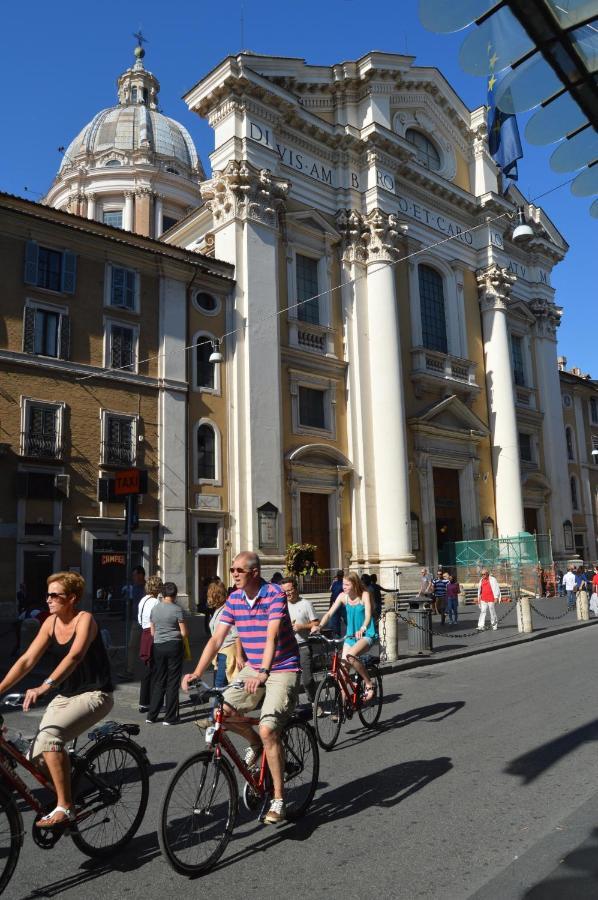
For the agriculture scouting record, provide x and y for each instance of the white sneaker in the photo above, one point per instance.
(494, 627)
(276, 814)
(251, 756)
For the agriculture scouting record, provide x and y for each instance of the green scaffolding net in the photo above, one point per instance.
(522, 563)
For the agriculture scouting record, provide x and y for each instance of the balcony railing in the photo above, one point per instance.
(311, 337)
(431, 364)
(41, 446)
(525, 396)
(118, 453)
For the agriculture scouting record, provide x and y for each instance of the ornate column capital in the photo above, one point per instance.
(548, 316)
(495, 284)
(143, 192)
(371, 238)
(245, 192)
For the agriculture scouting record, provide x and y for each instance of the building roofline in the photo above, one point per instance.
(116, 235)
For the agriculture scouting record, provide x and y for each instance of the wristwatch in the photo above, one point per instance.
(50, 682)
(263, 672)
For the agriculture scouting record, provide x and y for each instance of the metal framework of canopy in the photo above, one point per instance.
(547, 52)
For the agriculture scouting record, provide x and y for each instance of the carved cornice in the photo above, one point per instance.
(244, 192)
(495, 284)
(548, 316)
(371, 238)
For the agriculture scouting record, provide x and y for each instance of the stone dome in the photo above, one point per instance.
(131, 167)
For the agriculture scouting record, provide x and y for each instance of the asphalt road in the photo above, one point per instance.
(478, 784)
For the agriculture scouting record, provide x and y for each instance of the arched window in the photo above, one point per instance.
(431, 301)
(574, 498)
(134, 95)
(569, 439)
(204, 369)
(206, 452)
(427, 154)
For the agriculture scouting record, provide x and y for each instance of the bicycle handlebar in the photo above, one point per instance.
(321, 637)
(13, 701)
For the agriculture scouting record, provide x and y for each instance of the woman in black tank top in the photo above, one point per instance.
(81, 677)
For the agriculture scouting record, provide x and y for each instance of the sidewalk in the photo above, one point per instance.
(461, 640)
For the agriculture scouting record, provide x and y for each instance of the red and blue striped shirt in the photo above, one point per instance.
(252, 626)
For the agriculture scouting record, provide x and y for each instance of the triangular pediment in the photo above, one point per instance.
(519, 310)
(313, 220)
(450, 414)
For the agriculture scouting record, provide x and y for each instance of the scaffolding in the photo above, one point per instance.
(522, 564)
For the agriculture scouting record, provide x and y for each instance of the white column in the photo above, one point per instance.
(91, 206)
(553, 425)
(494, 285)
(245, 205)
(157, 215)
(387, 394)
(129, 211)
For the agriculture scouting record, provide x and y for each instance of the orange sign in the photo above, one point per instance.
(127, 482)
(111, 559)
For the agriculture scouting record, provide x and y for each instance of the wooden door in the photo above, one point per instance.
(530, 518)
(315, 525)
(448, 510)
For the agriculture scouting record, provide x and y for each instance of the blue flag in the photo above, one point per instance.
(504, 142)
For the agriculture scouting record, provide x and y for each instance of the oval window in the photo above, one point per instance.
(207, 302)
(427, 154)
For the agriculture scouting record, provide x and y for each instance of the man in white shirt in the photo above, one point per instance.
(570, 584)
(303, 618)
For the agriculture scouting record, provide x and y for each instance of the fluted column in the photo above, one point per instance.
(129, 210)
(380, 235)
(494, 286)
(158, 200)
(548, 318)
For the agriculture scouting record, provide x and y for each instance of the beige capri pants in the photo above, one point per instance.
(280, 695)
(68, 717)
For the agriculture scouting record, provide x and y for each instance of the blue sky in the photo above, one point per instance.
(59, 67)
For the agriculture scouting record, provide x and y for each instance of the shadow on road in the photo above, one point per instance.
(531, 765)
(435, 712)
(580, 884)
(384, 789)
(140, 851)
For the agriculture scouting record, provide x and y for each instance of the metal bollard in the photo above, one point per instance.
(583, 606)
(391, 637)
(524, 616)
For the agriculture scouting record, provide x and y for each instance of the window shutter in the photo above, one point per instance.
(65, 337)
(69, 272)
(28, 330)
(31, 254)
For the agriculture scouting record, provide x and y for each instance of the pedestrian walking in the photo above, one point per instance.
(452, 599)
(488, 595)
(133, 593)
(146, 642)
(439, 586)
(225, 661)
(303, 619)
(378, 602)
(337, 622)
(168, 630)
(425, 584)
(570, 585)
(594, 597)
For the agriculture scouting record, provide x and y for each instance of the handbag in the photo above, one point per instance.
(146, 645)
(186, 649)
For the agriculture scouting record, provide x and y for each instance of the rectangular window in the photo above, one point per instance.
(53, 270)
(207, 535)
(41, 436)
(168, 222)
(594, 410)
(122, 287)
(114, 218)
(517, 352)
(307, 288)
(525, 447)
(122, 347)
(311, 408)
(49, 268)
(595, 450)
(46, 326)
(119, 447)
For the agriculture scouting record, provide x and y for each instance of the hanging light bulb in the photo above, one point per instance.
(216, 356)
(522, 229)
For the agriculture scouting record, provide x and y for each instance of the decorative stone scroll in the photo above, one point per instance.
(548, 316)
(495, 284)
(370, 238)
(245, 192)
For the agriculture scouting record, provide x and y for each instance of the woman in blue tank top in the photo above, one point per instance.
(361, 626)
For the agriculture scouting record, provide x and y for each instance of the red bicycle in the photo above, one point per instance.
(199, 808)
(110, 783)
(341, 694)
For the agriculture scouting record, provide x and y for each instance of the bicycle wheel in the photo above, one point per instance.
(113, 786)
(328, 713)
(369, 712)
(301, 767)
(198, 813)
(11, 836)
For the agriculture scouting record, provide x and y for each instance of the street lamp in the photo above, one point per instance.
(522, 229)
(216, 356)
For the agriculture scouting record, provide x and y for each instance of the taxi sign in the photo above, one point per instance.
(128, 481)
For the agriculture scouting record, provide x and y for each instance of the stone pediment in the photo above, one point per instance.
(450, 414)
(313, 221)
(519, 310)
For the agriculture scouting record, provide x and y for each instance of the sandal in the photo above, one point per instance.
(368, 694)
(46, 821)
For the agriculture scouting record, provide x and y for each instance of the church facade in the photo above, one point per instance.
(391, 350)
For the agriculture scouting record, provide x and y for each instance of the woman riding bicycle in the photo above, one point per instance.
(81, 674)
(361, 626)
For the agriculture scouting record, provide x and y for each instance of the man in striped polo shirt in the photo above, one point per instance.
(271, 667)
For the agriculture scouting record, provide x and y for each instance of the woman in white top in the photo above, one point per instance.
(146, 604)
